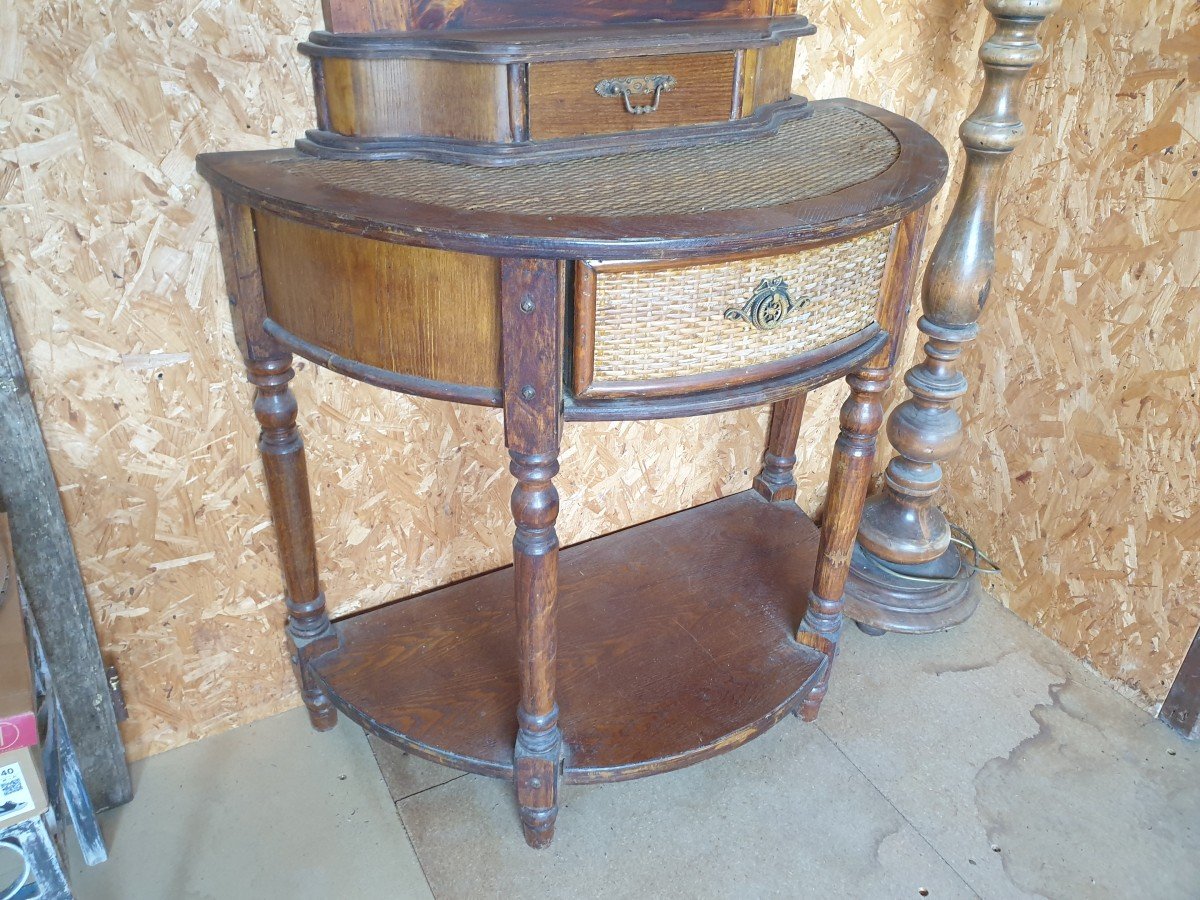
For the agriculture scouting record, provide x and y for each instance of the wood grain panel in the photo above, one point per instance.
(402, 15)
(774, 80)
(428, 313)
(668, 652)
(563, 101)
(766, 76)
(403, 97)
(745, 82)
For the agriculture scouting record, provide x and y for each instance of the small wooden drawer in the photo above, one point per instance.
(666, 329)
(510, 96)
(637, 93)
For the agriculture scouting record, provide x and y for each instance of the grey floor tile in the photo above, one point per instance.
(784, 816)
(982, 762)
(1028, 774)
(405, 774)
(270, 810)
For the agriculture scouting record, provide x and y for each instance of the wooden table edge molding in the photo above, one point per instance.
(908, 184)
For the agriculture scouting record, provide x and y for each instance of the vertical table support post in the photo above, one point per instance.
(532, 302)
(854, 456)
(269, 369)
(777, 480)
(906, 576)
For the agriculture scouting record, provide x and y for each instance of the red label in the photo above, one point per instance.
(18, 731)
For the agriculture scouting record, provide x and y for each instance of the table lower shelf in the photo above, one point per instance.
(675, 643)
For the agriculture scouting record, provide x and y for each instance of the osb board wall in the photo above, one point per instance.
(111, 267)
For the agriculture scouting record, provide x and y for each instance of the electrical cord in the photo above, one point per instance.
(962, 538)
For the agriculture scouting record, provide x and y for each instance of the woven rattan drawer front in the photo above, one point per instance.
(642, 330)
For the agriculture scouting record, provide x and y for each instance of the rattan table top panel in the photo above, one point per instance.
(836, 148)
(848, 169)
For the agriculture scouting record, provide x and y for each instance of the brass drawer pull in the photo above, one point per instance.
(636, 84)
(768, 307)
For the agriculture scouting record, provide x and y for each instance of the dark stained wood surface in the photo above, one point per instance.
(533, 304)
(286, 475)
(373, 375)
(396, 97)
(498, 96)
(849, 477)
(806, 374)
(900, 279)
(772, 75)
(563, 101)
(403, 15)
(243, 277)
(854, 452)
(518, 101)
(526, 45)
(274, 181)
(269, 369)
(1181, 709)
(776, 482)
(675, 644)
(641, 651)
(428, 314)
(759, 123)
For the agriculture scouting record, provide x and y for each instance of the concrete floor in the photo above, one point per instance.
(985, 762)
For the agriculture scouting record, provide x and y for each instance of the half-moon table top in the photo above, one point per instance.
(848, 168)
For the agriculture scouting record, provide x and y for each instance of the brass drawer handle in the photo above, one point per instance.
(636, 84)
(768, 307)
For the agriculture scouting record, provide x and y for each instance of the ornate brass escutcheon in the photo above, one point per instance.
(636, 84)
(768, 307)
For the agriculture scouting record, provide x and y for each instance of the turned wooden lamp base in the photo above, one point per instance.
(902, 522)
(879, 601)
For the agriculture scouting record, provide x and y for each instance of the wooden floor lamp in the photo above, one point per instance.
(908, 574)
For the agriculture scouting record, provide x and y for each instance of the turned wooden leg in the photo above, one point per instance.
(282, 451)
(854, 455)
(539, 739)
(776, 481)
(849, 477)
(531, 313)
(269, 367)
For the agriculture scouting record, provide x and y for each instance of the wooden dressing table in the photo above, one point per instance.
(577, 280)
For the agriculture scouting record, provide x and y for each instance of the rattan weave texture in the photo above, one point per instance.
(837, 148)
(671, 323)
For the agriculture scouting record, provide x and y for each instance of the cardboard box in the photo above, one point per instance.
(18, 723)
(22, 788)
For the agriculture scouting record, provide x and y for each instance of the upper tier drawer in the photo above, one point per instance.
(603, 96)
(500, 97)
(647, 329)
